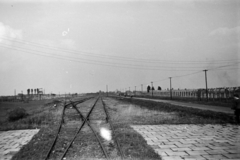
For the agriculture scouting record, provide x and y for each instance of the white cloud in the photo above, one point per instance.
(224, 31)
(7, 33)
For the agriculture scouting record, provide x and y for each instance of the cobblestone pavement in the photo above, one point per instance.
(12, 141)
(193, 142)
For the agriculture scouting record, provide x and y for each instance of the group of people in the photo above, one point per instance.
(152, 88)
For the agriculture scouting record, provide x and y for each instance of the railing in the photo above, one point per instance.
(214, 94)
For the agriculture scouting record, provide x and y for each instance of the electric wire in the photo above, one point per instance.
(187, 74)
(99, 62)
(125, 58)
(96, 62)
(114, 57)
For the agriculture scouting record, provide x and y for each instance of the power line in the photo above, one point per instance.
(160, 80)
(119, 65)
(227, 69)
(222, 66)
(104, 63)
(117, 57)
(191, 74)
(186, 74)
(89, 61)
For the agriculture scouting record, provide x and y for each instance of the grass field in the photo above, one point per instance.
(38, 114)
(164, 113)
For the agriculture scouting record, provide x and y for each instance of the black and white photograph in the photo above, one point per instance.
(119, 79)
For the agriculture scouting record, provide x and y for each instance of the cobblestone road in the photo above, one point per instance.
(193, 142)
(12, 141)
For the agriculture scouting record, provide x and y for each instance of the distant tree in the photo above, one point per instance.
(153, 88)
(28, 91)
(37, 91)
(32, 91)
(159, 88)
(148, 88)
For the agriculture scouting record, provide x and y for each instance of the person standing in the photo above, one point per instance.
(236, 107)
(148, 88)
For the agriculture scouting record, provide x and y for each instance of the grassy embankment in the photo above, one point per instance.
(39, 114)
(219, 102)
(150, 112)
(43, 115)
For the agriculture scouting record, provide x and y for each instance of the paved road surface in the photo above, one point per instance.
(193, 142)
(12, 141)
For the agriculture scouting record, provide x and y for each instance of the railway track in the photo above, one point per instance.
(84, 131)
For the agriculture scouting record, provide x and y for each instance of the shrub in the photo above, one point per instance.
(38, 119)
(17, 114)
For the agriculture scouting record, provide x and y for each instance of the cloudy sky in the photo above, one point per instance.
(82, 46)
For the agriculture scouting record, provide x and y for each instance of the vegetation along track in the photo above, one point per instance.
(75, 140)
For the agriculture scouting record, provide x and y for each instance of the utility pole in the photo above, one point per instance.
(135, 90)
(152, 88)
(142, 87)
(170, 87)
(206, 83)
(107, 90)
